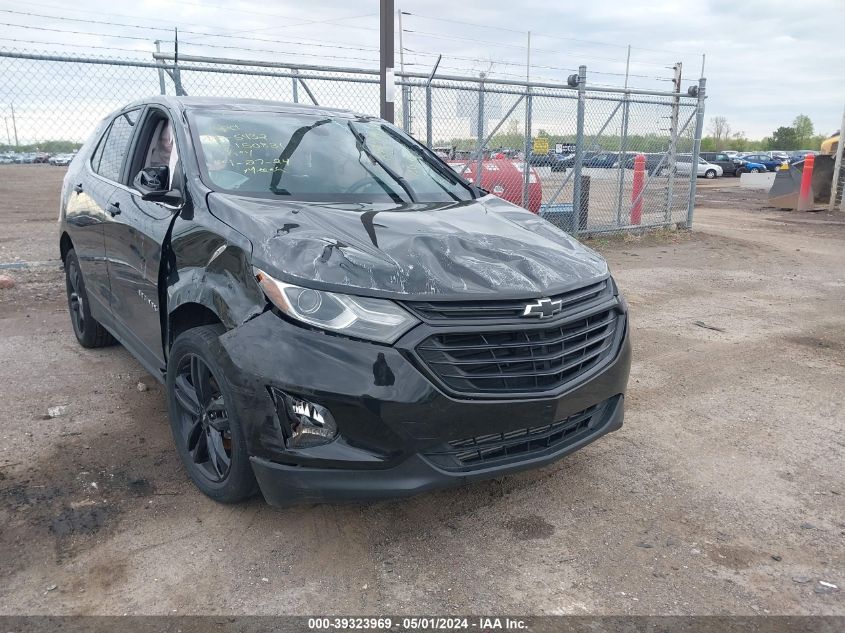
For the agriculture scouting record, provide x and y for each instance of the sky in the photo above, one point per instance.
(766, 61)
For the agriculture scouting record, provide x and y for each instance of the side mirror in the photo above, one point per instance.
(152, 182)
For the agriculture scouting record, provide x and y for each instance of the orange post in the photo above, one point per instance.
(805, 197)
(637, 191)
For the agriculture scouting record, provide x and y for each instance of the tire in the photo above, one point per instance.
(710, 174)
(207, 431)
(754, 170)
(88, 331)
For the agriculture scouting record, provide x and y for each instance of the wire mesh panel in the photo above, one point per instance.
(53, 105)
(521, 142)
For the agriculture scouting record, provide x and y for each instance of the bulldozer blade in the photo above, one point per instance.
(787, 184)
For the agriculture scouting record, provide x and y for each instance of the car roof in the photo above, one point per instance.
(239, 105)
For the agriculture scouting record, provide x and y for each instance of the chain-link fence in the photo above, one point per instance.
(625, 155)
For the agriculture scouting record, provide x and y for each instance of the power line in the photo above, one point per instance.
(51, 30)
(545, 35)
(54, 43)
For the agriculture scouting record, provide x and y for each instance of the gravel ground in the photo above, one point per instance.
(722, 494)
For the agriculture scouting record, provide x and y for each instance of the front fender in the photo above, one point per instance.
(212, 268)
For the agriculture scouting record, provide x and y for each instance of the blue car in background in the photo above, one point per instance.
(764, 159)
(744, 166)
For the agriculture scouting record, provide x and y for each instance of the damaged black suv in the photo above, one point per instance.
(335, 313)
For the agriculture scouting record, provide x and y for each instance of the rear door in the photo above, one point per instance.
(87, 209)
(134, 238)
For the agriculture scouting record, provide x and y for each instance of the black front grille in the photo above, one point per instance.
(499, 310)
(520, 360)
(485, 450)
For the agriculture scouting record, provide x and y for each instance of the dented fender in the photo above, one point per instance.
(210, 265)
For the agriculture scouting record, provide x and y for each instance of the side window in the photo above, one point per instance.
(115, 146)
(160, 149)
(98, 153)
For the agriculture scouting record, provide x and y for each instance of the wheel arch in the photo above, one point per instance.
(65, 245)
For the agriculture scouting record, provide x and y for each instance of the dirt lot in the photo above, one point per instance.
(723, 493)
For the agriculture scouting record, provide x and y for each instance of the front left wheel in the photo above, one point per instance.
(710, 174)
(204, 422)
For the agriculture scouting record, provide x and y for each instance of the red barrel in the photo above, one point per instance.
(805, 197)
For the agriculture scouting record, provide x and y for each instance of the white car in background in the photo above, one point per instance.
(683, 165)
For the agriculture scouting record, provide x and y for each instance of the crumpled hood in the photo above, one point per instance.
(481, 249)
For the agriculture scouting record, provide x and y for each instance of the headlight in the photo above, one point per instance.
(362, 317)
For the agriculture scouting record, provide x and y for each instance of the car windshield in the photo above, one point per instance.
(319, 157)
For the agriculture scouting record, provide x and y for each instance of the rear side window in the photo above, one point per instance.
(108, 159)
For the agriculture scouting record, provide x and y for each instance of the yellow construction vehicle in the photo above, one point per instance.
(829, 145)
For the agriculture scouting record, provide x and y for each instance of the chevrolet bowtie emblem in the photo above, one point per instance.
(543, 308)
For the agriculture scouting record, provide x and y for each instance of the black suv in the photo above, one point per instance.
(730, 166)
(335, 313)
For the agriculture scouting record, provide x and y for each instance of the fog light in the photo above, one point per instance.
(308, 424)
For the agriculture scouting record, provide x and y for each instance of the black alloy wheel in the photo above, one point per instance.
(203, 419)
(204, 416)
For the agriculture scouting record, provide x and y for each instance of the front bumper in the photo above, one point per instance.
(393, 421)
(285, 485)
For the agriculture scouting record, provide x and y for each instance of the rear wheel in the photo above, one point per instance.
(754, 170)
(88, 331)
(710, 174)
(205, 425)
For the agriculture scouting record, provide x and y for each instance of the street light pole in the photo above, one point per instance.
(387, 83)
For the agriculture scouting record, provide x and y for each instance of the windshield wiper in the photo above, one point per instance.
(361, 145)
(287, 152)
(442, 169)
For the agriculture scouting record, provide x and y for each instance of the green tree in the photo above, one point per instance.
(803, 130)
(784, 138)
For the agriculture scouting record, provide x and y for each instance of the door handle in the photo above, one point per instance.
(78, 188)
(114, 209)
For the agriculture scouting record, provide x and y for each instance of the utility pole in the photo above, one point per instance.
(387, 80)
(8, 138)
(14, 125)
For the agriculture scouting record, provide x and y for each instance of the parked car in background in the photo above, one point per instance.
(6, 159)
(61, 159)
(764, 159)
(351, 321)
(561, 161)
(729, 165)
(779, 155)
(683, 166)
(801, 154)
(731, 152)
(653, 162)
(540, 160)
(749, 167)
(41, 157)
(604, 160)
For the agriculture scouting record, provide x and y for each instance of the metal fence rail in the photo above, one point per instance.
(568, 142)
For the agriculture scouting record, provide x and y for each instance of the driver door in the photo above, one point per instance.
(133, 241)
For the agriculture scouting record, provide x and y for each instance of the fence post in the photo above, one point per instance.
(696, 149)
(480, 132)
(161, 85)
(838, 172)
(673, 145)
(526, 168)
(295, 81)
(579, 149)
(428, 121)
(428, 114)
(623, 159)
